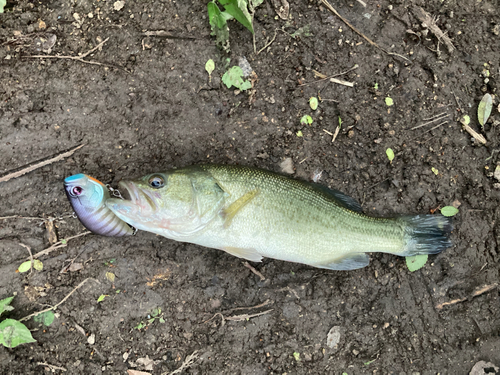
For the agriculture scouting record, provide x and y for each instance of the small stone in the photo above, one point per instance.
(287, 166)
(355, 352)
(91, 339)
(118, 5)
(496, 174)
(333, 337)
(350, 133)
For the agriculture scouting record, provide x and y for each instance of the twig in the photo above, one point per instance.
(39, 164)
(429, 22)
(268, 44)
(332, 9)
(166, 34)
(290, 290)
(356, 66)
(251, 268)
(477, 292)
(472, 132)
(22, 217)
(31, 255)
(58, 245)
(77, 58)
(58, 304)
(51, 367)
(265, 303)
(432, 119)
(238, 318)
(188, 362)
(341, 82)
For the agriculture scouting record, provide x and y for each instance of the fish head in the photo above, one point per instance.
(85, 193)
(155, 202)
(176, 204)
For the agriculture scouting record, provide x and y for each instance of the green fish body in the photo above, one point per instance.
(253, 213)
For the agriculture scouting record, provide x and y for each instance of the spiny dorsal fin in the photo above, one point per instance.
(343, 199)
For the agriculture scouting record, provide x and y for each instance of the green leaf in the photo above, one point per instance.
(296, 355)
(466, 120)
(2, 4)
(484, 109)
(306, 120)
(389, 101)
(64, 241)
(234, 77)
(303, 31)
(238, 9)
(340, 122)
(313, 103)
(218, 23)
(5, 305)
(435, 171)
(299, 133)
(26, 266)
(390, 154)
(101, 297)
(46, 318)
(38, 265)
(210, 66)
(449, 211)
(416, 262)
(14, 333)
(375, 86)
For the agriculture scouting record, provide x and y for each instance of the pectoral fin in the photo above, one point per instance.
(248, 254)
(346, 263)
(237, 205)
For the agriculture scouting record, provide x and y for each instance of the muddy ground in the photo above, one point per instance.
(149, 106)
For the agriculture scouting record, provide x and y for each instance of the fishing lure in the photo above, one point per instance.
(88, 196)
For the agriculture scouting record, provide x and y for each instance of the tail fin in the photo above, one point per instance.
(426, 234)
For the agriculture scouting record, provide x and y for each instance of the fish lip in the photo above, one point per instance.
(131, 191)
(137, 196)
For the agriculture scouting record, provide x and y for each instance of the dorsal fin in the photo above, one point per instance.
(341, 198)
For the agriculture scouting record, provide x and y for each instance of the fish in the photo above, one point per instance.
(87, 197)
(253, 213)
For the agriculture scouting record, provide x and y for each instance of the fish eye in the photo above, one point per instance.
(77, 190)
(156, 182)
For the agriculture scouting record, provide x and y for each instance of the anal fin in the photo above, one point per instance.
(346, 263)
(237, 205)
(248, 254)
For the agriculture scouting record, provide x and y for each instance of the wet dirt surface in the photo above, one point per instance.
(149, 106)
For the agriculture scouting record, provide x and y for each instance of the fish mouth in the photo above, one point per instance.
(137, 196)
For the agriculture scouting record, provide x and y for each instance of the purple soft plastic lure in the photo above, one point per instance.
(88, 196)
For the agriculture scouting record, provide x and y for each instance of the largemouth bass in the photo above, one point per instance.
(253, 213)
(87, 197)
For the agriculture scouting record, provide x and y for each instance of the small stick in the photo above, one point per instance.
(58, 245)
(251, 268)
(268, 44)
(58, 304)
(477, 292)
(51, 367)
(436, 118)
(77, 58)
(188, 362)
(238, 318)
(332, 9)
(335, 75)
(166, 34)
(31, 255)
(428, 21)
(40, 164)
(335, 134)
(473, 133)
(22, 217)
(341, 82)
(265, 303)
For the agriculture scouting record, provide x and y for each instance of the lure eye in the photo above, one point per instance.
(156, 182)
(77, 190)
